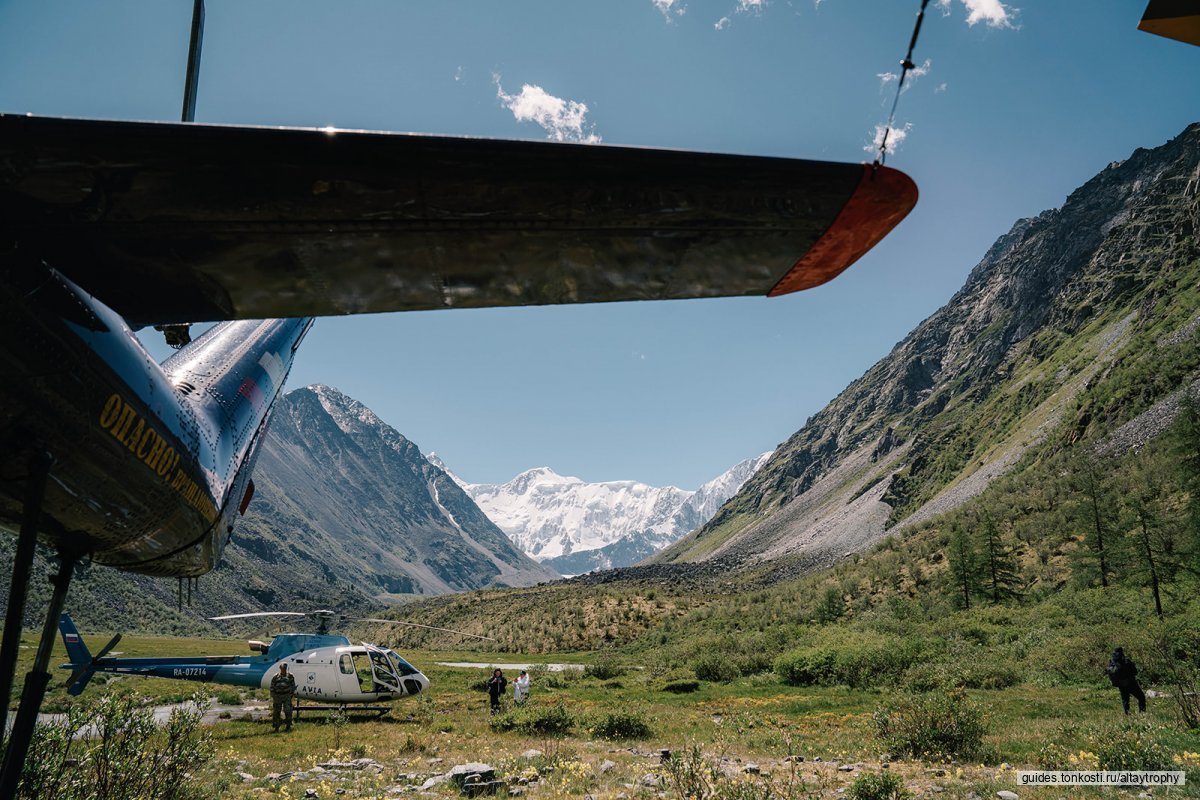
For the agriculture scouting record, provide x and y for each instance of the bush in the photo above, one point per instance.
(989, 677)
(681, 687)
(806, 667)
(859, 666)
(127, 755)
(939, 725)
(532, 720)
(877, 786)
(716, 668)
(604, 668)
(620, 725)
(229, 697)
(928, 677)
(1131, 746)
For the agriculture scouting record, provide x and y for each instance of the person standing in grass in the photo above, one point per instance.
(496, 686)
(1122, 673)
(283, 689)
(521, 688)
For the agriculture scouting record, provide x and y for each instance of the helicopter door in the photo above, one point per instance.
(384, 672)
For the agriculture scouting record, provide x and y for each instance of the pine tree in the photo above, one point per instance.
(1184, 445)
(1093, 513)
(1002, 580)
(964, 564)
(1152, 554)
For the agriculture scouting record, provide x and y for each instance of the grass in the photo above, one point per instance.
(755, 719)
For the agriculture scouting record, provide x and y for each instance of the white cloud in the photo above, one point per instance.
(991, 12)
(941, 87)
(916, 72)
(894, 138)
(563, 120)
(669, 7)
(458, 74)
(721, 24)
(751, 5)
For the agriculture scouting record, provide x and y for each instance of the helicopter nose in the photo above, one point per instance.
(416, 683)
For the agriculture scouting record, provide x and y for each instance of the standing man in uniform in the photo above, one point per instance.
(283, 688)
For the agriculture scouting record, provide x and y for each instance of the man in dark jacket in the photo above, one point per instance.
(1122, 673)
(283, 688)
(496, 688)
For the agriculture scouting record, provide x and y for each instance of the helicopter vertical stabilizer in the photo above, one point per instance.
(77, 651)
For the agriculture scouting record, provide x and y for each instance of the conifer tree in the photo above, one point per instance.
(1094, 512)
(1002, 580)
(1153, 553)
(1184, 445)
(963, 563)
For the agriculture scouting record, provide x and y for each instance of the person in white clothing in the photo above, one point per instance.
(521, 687)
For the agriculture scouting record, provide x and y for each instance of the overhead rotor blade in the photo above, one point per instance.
(419, 625)
(262, 614)
(104, 650)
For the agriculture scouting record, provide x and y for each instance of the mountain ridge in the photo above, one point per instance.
(1008, 361)
(578, 526)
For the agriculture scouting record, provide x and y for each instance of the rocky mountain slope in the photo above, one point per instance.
(574, 526)
(347, 514)
(1075, 322)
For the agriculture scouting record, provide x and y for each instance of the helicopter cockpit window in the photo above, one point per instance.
(346, 664)
(402, 667)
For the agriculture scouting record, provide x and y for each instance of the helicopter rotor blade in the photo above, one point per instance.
(419, 625)
(104, 650)
(262, 614)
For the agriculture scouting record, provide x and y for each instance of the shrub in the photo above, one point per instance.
(681, 687)
(532, 720)
(621, 725)
(939, 725)
(1131, 746)
(924, 678)
(806, 667)
(127, 755)
(877, 786)
(859, 666)
(989, 677)
(604, 668)
(229, 697)
(716, 667)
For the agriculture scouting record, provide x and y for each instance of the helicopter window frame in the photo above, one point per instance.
(346, 664)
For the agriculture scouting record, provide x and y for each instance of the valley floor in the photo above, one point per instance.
(754, 737)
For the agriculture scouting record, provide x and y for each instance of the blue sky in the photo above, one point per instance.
(1021, 104)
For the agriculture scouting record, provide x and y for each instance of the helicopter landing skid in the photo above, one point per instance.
(346, 709)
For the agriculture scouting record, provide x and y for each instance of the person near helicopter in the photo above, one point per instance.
(283, 689)
(496, 686)
(521, 688)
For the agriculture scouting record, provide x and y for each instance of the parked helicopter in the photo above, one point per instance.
(328, 668)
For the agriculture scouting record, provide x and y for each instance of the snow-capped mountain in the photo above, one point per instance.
(574, 526)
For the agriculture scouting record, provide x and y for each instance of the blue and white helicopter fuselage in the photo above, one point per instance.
(328, 668)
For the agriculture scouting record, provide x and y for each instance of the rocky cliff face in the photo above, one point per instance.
(1021, 353)
(340, 485)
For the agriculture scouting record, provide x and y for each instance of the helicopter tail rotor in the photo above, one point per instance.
(83, 663)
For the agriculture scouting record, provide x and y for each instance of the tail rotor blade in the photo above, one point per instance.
(419, 625)
(104, 650)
